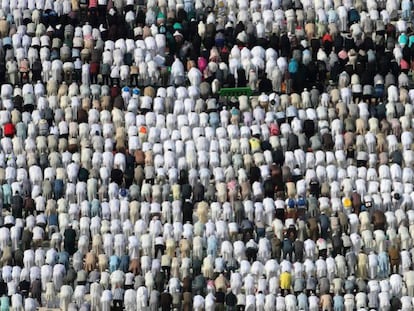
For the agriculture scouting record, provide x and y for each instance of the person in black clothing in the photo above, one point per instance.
(186, 191)
(37, 70)
(36, 290)
(254, 174)
(129, 169)
(246, 228)
(395, 303)
(17, 205)
(83, 174)
(314, 188)
(69, 240)
(166, 301)
(251, 254)
(265, 85)
(287, 248)
(198, 192)
(24, 287)
(220, 299)
(231, 300)
(27, 237)
(3, 287)
(117, 176)
(18, 258)
(183, 179)
(187, 210)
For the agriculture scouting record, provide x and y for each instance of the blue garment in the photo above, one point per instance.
(303, 302)
(10, 18)
(353, 15)
(95, 208)
(287, 246)
(301, 202)
(214, 119)
(234, 111)
(63, 258)
(58, 188)
(114, 262)
(383, 264)
(293, 66)
(338, 302)
(332, 16)
(410, 41)
(54, 54)
(7, 41)
(406, 10)
(21, 130)
(124, 263)
(403, 39)
(324, 221)
(212, 246)
(405, 5)
(4, 303)
(379, 90)
(7, 194)
(53, 220)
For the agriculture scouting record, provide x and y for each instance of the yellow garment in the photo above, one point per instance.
(347, 202)
(254, 144)
(285, 280)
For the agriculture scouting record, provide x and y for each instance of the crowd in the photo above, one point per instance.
(129, 183)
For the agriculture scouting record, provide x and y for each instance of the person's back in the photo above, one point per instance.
(17, 206)
(165, 301)
(231, 300)
(69, 240)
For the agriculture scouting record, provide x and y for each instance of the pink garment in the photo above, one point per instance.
(274, 129)
(202, 63)
(343, 54)
(93, 4)
(404, 65)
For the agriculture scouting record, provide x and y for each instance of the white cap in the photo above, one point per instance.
(263, 98)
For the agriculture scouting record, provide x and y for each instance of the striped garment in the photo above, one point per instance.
(93, 4)
(118, 294)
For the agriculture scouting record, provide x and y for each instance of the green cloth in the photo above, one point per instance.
(177, 26)
(83, 174)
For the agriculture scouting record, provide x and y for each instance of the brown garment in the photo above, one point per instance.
(139, 157)
(187, 301)
(82, 116)
(356, 202)
(276, 247)
(394, 254)
(166, 301)
(187, 284)
(106, 102)
(287, 174)
(221, 283)
(36, 290)
(119, 102)
(135, 266)
(29, 206)
(379, 220)
(326, 302)
(343, 221)
(133, 70)
(313, 228)
(185, 248)
(362, 268)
